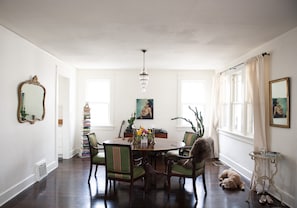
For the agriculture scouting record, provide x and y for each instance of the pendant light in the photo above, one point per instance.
(143, 76)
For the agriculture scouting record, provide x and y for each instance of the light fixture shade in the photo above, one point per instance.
(143, 76)
(143, 79)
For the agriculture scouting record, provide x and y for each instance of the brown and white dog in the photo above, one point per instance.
(229, 179)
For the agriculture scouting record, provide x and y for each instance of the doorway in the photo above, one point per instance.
(63, 123)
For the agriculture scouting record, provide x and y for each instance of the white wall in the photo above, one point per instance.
(24, 144)
(163, 88)
(283, 52)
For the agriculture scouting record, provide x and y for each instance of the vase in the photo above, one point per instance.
(136, 139)
(151, 139)
(144, 140)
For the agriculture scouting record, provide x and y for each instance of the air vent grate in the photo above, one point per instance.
(40, 170)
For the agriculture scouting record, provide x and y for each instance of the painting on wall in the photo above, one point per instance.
(145, 108)
(279, 102)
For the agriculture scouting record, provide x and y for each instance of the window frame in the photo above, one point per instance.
(246, 128)
(109, 122)
(181, 124)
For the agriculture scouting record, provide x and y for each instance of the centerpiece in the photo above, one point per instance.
(143, 136)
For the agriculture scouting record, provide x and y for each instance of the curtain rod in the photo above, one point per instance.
(234, 67)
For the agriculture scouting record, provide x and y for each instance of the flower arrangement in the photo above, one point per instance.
(143, 134)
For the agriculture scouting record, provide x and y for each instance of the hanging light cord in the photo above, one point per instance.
(143, 70)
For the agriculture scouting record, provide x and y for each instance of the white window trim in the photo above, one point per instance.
(179, 122)
(109, 126)
(229, 128)
(237, 136)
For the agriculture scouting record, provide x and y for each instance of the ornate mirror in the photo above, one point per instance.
(31, 101)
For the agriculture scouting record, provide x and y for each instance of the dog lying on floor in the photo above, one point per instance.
(229, 179)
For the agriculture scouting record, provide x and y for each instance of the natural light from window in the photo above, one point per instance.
(192, 93)
(237, 112)
(98, 96)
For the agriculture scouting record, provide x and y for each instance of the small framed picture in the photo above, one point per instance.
(279, 95)
(145, 108)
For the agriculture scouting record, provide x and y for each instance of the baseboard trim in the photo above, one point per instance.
(286, 198)
(16, 189)
(236, 166)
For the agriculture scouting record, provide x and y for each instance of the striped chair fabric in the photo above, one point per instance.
(120, 165)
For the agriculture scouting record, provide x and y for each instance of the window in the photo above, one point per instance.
(192, 93)
(98, 96)
(237, 112)
(237, 96)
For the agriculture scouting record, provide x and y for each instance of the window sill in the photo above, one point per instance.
(104, 128)
(183, 128)
(237, 136)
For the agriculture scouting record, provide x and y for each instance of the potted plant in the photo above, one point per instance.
(131, 120)
(199, 128)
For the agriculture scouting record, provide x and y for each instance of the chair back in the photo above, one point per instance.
(93, 143)
(118, 161)
(190, 138)
(200, 150)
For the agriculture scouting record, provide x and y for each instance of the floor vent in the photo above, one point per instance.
(40, 170)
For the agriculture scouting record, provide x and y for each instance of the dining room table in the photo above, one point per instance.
(159, 145)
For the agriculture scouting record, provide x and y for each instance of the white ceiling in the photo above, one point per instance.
(178, 34)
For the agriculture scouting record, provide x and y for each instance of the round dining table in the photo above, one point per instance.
(160, 145)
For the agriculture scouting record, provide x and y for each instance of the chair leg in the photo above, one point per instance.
(91, 166)
(169, 186)
(110, 184)
(204, 184)
(182, 181)
(114, 184)
(194, 188)
(95, 174)
(106, 185)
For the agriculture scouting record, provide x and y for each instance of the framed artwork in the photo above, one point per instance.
(145, 108)
(279, 95)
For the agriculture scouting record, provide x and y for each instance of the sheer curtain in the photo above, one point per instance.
(257, 74)
(215, 114)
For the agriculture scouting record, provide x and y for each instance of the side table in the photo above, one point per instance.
(265, 168)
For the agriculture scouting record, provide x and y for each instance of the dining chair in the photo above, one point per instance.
(191, 166)
(97, 155)
(120, 166)
(189, 139)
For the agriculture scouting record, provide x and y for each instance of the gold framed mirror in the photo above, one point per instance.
(279, 95)
(31, 95)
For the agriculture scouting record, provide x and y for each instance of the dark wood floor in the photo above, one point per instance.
(67, 187)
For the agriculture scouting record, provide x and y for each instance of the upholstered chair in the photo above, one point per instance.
(189, 139)
(120, 166)
(97, 156)
(191, 166)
